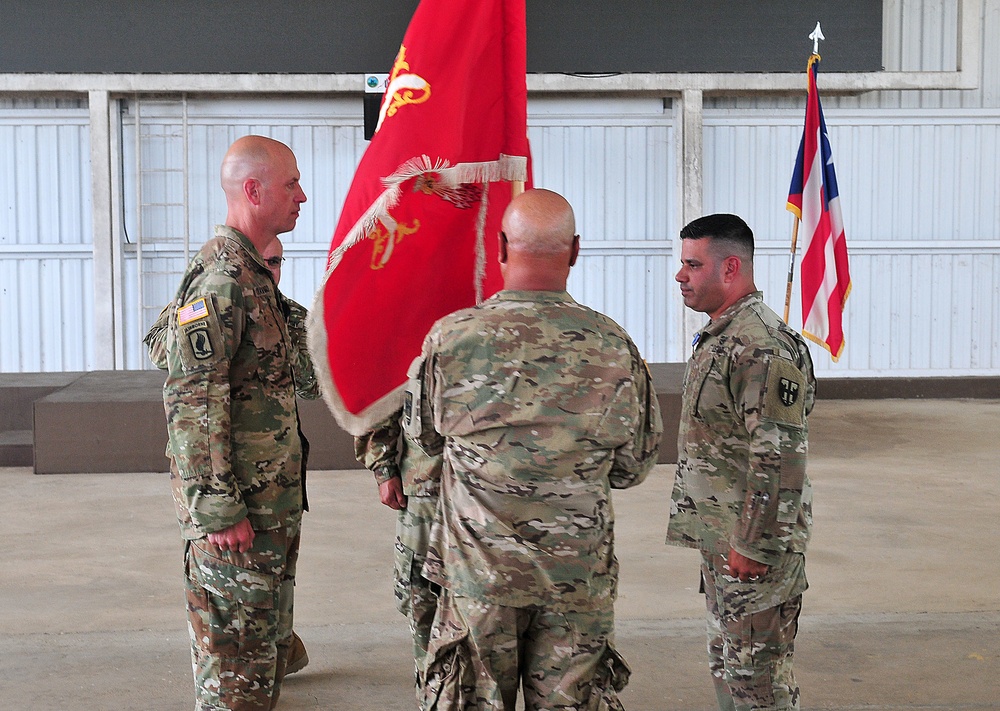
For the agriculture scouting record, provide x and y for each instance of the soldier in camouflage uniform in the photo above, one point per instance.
(408, 483)
(742, 495)
(541, 406)
(233, 438)
(306, 386)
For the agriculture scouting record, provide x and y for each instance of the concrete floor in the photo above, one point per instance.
(903, 613)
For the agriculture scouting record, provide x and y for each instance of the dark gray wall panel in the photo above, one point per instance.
(337, 36)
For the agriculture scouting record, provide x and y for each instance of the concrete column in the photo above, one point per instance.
(105, 351)
(691, 192)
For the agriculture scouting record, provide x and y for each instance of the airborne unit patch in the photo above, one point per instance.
(198, 334)
(201, 344)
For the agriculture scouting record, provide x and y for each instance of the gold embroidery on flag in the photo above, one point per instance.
(386, 241)
(403, 88)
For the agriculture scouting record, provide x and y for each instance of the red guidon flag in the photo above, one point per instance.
(417, 236)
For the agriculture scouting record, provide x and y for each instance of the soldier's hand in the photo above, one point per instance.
(390, 493)
(238, 537)
(746, 569)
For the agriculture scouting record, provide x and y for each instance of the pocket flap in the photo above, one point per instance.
(248, 587)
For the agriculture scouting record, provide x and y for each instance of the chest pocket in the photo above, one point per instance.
(714, 403)
(265, 341)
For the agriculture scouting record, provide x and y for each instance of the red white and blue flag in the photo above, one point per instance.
(814, 198)
(418, 233)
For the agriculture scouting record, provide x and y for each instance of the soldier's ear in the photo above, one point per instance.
(575, 250)
(731, 267)
(251, 190)
(503, 248)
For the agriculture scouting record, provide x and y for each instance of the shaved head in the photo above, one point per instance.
(537, 243)
(539, 222)
(261, 180)
(250, 157)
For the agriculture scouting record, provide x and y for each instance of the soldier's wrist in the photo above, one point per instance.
(385, 473)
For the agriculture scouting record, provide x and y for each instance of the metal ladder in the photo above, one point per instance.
(151, 203)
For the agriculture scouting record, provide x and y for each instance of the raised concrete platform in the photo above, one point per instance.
(18, 393)
(103, 421)
(113, 421)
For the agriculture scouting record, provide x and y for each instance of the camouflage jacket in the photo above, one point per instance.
(743, 440)
(388, 452)
(232, 425)
(541, 406)
(306, 384)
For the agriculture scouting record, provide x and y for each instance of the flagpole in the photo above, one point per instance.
(791, 267)
(816, 35)
(516, 188)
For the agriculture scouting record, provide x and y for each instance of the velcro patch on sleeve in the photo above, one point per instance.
(784, 393)
(194, 311)
(199, 337)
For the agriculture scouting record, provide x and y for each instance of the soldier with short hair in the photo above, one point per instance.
(741, 494)
(540, 406)
(236, 453)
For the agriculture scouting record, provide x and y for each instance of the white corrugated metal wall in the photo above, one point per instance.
(46, 254)
(919, 192)
(613, 161)
(920, 189)
(917, 171)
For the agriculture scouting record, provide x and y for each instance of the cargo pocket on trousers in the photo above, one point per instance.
(227, 605)
(402, 573)
(243, 585)
(449, 681)
(611, 676)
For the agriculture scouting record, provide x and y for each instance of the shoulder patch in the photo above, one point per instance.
(194, 311)
(201, 344)
(198, 337)
(784, 393)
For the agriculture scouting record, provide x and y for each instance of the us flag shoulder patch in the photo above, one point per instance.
(192, 312)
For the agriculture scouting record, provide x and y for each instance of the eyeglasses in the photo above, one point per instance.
(274, 262)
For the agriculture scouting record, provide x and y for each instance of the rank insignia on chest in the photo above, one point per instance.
(788, 391)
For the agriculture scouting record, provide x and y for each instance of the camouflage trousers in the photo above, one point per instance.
(415, 597)
(240, 619)
(480, 653)
(750, 652)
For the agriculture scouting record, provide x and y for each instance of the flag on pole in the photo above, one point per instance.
(814, 198)
(417, 235)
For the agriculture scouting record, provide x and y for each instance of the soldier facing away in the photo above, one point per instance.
(540, 406)
(741, 494)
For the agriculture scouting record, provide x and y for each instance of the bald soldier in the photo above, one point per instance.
(306, 386)
(234, 445)
(541, 406)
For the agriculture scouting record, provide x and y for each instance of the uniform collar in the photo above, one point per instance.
(545, 296)
(234, 235)
(718, 325)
